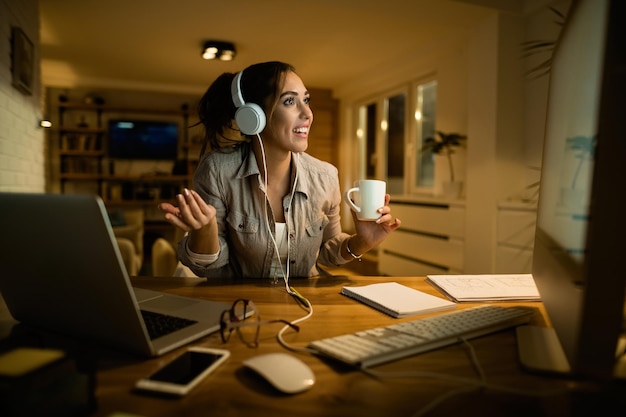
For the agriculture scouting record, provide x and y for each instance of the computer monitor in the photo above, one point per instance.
(579, 259)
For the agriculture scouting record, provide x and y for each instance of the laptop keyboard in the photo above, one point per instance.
(161, 324)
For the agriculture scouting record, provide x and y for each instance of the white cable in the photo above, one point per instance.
(279, 336)
(440, 399)
(267, 223)
(470, 383)
(305, 303)
(266, 202)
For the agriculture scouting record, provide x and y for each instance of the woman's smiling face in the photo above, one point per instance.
(292, 118)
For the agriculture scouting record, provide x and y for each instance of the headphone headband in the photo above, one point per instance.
(250, 117)
(235, 90)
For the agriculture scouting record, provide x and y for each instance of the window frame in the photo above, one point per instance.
(412, 135)
(416, 140)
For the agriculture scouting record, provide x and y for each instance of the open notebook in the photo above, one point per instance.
(61, 270)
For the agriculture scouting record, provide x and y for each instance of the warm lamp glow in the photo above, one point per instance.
(224, 51)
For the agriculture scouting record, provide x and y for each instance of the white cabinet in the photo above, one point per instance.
(430, 240)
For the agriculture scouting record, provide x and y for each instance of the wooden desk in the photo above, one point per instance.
(339, 390)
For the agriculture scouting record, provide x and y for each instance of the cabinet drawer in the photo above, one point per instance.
(393, 265)
(441, 220)
(446, 253)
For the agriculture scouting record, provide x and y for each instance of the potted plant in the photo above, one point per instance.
(445, 144)
(542, 47)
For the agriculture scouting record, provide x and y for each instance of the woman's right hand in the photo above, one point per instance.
(192, 213)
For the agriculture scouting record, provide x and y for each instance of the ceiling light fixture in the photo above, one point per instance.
(224, 51)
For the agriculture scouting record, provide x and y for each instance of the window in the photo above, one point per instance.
(394, 135)
(425, 112)
(381, 129)
(391, 134)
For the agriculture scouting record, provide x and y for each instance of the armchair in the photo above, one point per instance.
(130, 229)
(165, 261)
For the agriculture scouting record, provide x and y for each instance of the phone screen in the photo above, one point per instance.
(185, 371)
(186, 367)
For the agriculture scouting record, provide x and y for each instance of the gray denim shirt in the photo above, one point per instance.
(231, 182)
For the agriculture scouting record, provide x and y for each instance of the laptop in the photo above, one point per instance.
(61, 270)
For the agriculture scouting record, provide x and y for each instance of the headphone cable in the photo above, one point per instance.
(303, 301)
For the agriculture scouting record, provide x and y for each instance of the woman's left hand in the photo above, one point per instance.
(371, 233)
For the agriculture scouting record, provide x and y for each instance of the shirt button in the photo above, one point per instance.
(241, 226)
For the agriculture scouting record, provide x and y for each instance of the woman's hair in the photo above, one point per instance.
(261, 84)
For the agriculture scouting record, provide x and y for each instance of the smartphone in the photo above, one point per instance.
(184, 372)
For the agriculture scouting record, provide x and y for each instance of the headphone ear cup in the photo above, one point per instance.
(250, 119)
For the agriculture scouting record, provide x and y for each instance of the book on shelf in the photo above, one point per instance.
(486, 287)
(80, 165)
(79, 142)
(397, 300)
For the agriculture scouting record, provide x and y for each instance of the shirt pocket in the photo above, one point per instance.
(242, 223)
(316, 226)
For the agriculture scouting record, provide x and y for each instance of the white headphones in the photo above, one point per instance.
(250, 117)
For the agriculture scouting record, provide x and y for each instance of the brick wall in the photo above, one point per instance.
(22, 143)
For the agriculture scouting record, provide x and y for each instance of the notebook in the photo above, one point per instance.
(486, 287)
(61, 270)
(397, 300)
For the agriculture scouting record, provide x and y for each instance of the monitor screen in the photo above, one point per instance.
(143, 139)
(581, 227)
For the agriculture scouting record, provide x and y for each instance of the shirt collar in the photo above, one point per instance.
(250, 167)
(249, 164)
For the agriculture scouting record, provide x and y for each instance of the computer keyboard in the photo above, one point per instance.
(396, 341)
(159, 324)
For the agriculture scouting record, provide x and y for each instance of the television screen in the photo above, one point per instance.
(142, 139)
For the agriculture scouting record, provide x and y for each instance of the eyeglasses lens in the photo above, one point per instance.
(249, 334)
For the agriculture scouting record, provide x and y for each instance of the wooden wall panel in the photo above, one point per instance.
(324, 134)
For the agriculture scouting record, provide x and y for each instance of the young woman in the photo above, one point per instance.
(260, 206)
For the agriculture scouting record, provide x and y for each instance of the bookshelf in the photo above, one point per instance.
(84, 163)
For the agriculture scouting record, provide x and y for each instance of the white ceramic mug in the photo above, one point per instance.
(371, 197)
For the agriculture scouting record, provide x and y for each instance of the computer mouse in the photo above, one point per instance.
(284, 372)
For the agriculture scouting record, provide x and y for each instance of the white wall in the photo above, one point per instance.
(448, 61)
(22, 144)
(482, 92)
(495, 157)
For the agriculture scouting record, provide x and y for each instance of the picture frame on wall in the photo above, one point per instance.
(22, 61)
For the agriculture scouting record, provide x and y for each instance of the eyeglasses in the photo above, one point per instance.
(234, 319)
